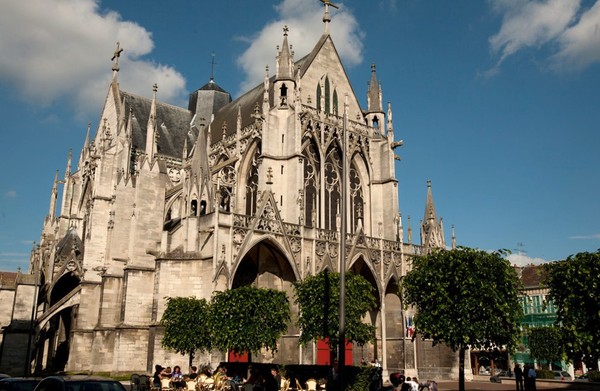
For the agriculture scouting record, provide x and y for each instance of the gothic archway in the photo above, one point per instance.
(266, 266)
(369, 351)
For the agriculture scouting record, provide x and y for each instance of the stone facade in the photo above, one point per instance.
(166, 201)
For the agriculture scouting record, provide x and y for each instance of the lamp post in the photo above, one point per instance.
(342, 330)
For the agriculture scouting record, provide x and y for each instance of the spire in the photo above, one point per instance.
(326, 17)
(151, 131)
(453, 238)
(184, 154)
(409, 231)
(374, 94)
(285, 66)
(390, 126)
(115, 60)
(68, 169)
(430, 214)
(53, 197)
(86, 143)
(432, 230)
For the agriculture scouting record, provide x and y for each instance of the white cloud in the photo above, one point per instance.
(522, 259)
(62, 48)
(570, 32)
(530, 23)
(304, 20)
(580, 43)
(586, 237)
(11, 194)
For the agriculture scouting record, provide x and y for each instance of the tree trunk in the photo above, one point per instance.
(190, 361)
(461, 369)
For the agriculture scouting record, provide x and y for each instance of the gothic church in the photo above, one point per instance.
(169, 201)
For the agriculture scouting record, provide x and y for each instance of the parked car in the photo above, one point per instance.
(78, 383)
(4, 375)
(18, 384)
(562, 375)
(499, 374)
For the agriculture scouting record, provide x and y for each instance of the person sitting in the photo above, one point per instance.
(166, 373)
(156, 376)
(177, 378)
(193, 373)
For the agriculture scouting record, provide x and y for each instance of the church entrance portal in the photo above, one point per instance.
(266, 266)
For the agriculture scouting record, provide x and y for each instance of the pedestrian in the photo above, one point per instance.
(273, 382)
(532, 375)
(518, 377)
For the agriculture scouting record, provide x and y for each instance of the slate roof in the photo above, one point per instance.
(65, 246)
(211, 86)
(531, 276)
(8, 278)
(173, 124)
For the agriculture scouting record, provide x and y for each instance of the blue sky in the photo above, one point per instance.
(497, 101)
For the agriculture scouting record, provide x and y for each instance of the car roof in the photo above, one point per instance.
(82, 378)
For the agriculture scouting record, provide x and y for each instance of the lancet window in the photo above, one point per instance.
(332, 173)
(252, 185)
(312, 169)
(356, 198)
(227, 182)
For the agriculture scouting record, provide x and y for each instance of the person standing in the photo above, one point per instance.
(532, 374)
(518, 377)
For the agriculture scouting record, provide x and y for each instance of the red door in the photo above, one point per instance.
(323, 352)
(237, 357)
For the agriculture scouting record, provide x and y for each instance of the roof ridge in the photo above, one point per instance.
(158, 102)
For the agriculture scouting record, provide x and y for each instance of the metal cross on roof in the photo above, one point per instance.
(329, 3)
(116, 56)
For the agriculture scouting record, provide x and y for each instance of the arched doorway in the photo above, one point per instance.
(266, 266)
(394, 329)
(370, 351)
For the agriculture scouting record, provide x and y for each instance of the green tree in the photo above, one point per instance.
(186, 326)
(574, 285)
(545, 344)
(464, 298)
(247, 319)
(318, 299)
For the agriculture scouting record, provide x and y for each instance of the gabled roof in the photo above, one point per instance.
(248, 101)
(173, 125)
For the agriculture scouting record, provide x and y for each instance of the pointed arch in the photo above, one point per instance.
(327, 95)
(332, 175)
(319, 93)
(359, 192)
(312, 181)
(360, 266)
(248, 178)
(264, 254)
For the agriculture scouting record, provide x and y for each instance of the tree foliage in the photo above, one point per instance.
(545, 344)
(186, 325)
(247, 319)
(464, 298)
(318, 299)
(574, 285)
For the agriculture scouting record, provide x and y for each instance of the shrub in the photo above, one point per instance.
(545, 374)
(594, 375)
